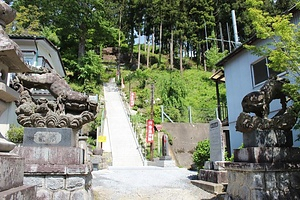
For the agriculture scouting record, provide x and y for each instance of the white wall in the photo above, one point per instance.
(44, 49)
(8, 117)
(238, 84)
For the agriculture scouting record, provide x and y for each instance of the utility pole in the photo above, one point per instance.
(119, 45)
(221, 35)
(152, 118)
(160, 43)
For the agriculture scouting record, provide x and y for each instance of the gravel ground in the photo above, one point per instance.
(139, 183)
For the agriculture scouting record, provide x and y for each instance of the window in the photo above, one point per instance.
(29, 57)
(261, 72)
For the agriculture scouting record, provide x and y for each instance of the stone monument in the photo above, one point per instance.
(165, 148)
(11, 165)
(53, 159)
(268, 167)
(165, 160)
(213, 177)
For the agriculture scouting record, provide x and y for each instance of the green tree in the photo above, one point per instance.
(245, 29)
(172, 90)
(201, 15)
(27, 21)
(213, 55)
(91, 71)
(50, 34)
(283, 50)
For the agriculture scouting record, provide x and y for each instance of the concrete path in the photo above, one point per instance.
(121, 141)
(146, 183)
(128, 179)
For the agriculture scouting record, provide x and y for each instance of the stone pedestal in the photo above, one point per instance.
(215, 173)
(257, 181)
(164, 161)
(268, 138)
(213, 178)
(11, 179)
(58, 172)
(264, 173)
(55, 165)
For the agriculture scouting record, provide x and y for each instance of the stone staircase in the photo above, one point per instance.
(121, 141)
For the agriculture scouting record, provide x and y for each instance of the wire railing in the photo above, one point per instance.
(189, 114)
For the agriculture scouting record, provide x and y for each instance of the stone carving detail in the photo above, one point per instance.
(258, 102)
(70, 109)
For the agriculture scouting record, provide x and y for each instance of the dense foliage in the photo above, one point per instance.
(15, 134)
(184, 35)
(177, 29)
(193, 88)
(201, 153)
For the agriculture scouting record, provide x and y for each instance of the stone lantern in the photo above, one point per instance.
(11, 60)
(11, 165)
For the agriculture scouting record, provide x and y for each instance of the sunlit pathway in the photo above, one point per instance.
(117, 128)
(143, 183)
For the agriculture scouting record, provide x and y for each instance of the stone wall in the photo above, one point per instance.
(58, 187)
(185, 138)
(250, 181)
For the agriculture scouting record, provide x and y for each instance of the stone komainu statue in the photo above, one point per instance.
(69, 109)
(258, 102)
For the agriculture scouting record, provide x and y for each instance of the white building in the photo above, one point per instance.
(244, 73)
(38, 52)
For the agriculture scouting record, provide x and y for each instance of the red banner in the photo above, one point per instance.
(132, 98)
(150, 131)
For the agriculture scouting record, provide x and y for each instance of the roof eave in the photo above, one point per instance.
(41, 38)
(236, 51)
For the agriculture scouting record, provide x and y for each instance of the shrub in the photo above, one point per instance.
(91, 143)
(15, 134)
(202, 153)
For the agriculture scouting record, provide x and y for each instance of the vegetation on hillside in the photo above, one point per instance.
(176, 93)
(176, 32)
(177, 54)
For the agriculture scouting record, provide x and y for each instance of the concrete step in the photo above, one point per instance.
(214, 188)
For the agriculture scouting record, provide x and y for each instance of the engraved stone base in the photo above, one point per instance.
(44, 137)
(166, 163)
(51, 155)
(58, 172)
(257, 181)
(162, 163)
(165, 158)
(268, 138)
(267, 154)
